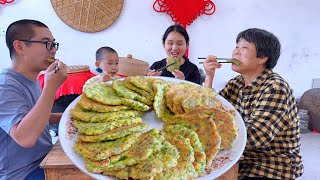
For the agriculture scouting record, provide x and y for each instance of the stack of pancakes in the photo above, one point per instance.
(110, 138)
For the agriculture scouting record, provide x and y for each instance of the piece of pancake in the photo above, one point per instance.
(159, 104)
(225, 122)
(199, 97)
(142, 92)
(98, 151)
(115, 133)
(147, 144)
(206, 130)
(123, 91)
(200, 157)
(175, 66)
(51, 60)
(136, 105)
(171, 92)
(184, 168)
(96, 117)
(100, 128)
(95, 166)
(142, 83)
(103, 93)
(92, 105)
(163, 159)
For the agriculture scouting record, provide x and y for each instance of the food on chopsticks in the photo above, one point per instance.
(175, 66)
(224, 60)
(110, 138)
(51, 60)
(234, 61)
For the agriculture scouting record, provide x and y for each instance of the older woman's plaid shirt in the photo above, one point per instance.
(269, 110)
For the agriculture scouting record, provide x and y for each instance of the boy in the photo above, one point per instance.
(107, 60)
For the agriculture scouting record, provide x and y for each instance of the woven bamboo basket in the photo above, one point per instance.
(77, 68)
(88, 16)
(310, 101)
(129, 66)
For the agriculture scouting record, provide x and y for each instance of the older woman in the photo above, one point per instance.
(266, 104)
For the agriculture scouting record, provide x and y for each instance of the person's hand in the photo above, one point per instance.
(154, 73)
(55, 75)
(178, 74)
(105, 77)
(210, 65)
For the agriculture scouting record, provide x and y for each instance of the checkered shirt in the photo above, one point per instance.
(270, 113)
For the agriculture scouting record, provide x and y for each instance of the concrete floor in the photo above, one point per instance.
(310, 152)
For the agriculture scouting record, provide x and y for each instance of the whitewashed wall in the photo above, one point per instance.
(139, 29)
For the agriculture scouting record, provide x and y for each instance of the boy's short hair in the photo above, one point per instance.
(100, 52)
(267, 44)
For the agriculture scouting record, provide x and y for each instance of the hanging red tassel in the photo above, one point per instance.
(184, 12)
(6, 1)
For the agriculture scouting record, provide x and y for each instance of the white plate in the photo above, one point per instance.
(222, 163)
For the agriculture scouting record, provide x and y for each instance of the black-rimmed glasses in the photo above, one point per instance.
(49, 44)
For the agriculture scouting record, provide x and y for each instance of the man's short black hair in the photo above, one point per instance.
(267, 44)
(100, 52)
(22, 29)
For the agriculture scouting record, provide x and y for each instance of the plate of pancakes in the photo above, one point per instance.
(152, 128)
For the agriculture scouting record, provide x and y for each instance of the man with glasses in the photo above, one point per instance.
(25, 109)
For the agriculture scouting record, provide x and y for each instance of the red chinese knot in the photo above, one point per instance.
(184, 12)
(6, 1)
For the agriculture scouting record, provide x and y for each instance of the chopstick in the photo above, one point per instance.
(218, 62)
(160, 69)
(56, 68)
(224, 60)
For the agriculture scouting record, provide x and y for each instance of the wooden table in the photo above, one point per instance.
(58, 166)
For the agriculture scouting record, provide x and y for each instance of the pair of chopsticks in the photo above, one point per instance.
(160, 69)
(56, 68)
(222, 60)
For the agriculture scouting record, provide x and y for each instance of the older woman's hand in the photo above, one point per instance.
(154, 73)
(210, 65)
